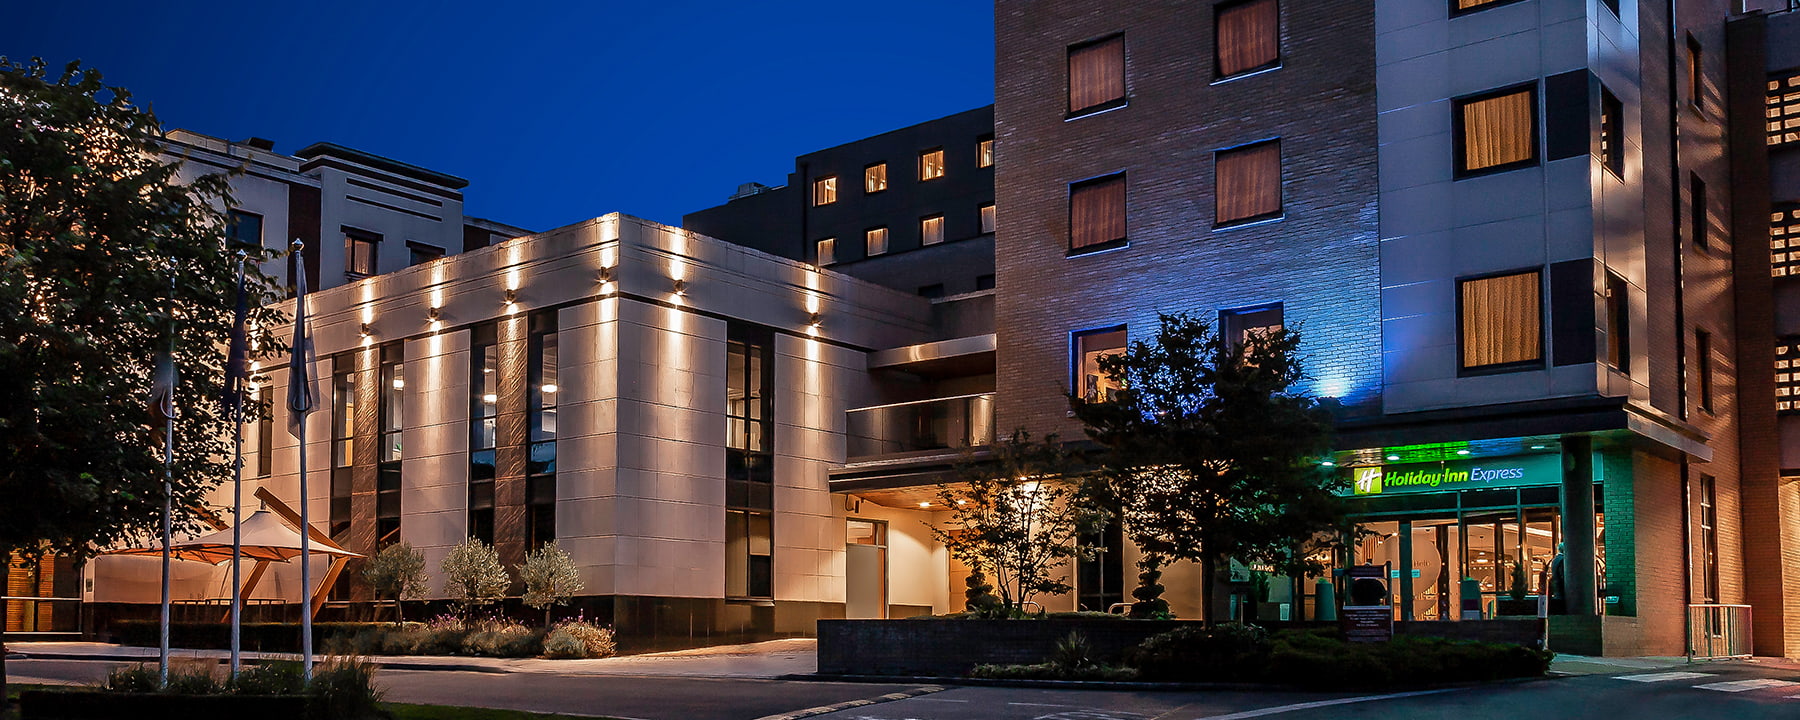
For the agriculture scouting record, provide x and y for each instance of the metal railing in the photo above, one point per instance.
(1718, 631)
(939, 424)
(30, 614)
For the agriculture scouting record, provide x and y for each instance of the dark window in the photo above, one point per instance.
(484, 413)
(1703, 368)
(1247, 183)
(934, 290)
(1612, 5)
(540, 464)
(749, 460)
(984, 152)
(1501, 321)
(1244, 325)
(875, 178)
(360, 253)
(1612, 132)
(1247, 36)
(987, 218)
(1460, 7)
(393, 419)
(824, 190)
(422, 253)
(1708, 555)
(931, 164)
(1787, 375)
(1696, 70)
(245, 229)
(1089, 346)
(1618, 323)
(1097, 75)
(984, 282)
(1496, 131)
(1097, 213)
(1697, 220)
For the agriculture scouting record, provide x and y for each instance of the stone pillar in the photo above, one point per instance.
(365, 454)
(511, 439)
(1578, 525)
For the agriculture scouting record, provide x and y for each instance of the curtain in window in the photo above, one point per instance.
(1096, 74)
(1471, 4)
(1097, 212)
(1248, 182)
(1248, 36)
(1500, 320)
(1497, 131)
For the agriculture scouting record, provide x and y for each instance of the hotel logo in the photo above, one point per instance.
(1367, 480)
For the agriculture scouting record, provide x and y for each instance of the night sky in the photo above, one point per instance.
(555, 112)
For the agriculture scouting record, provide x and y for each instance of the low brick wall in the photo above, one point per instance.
(948, 648)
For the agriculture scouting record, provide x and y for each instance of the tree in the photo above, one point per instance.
(1017, 515)
(1210, 453)
(93, 226)
(473, 575)
(397, 572)
(550, 578)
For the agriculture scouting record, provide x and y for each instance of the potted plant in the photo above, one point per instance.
(1516, 603)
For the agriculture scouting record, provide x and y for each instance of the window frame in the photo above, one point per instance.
(1231, 326)
(1076, 352)
(1703, 370)
(1069, 111)
(1699, 221)
(415, 248)
(824, 190)
(1696, 69)
(354, 237)
(1280, 210)
(1462, 329)
(987, 218)
(234, 219)
(984, 152)
(942, 164)
(925, 237)
(819, 245)
(1459, 134)
(1612, 134)
(887, 241)
(1218, 61)
(867, 176)
(1122, 178)
(1618, 323)
(1456, 12)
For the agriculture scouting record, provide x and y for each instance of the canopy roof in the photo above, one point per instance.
(266, 537)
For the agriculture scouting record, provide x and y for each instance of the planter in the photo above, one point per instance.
(100, 705)
(1508, 607)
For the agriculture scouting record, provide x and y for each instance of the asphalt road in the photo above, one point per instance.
(1720, 690)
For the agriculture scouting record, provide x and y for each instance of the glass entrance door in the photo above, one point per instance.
(1436, 558)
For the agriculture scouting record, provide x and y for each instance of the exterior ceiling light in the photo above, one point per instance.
(1392, 458)
(925, 504)
(1462, 452)
(1328, 463)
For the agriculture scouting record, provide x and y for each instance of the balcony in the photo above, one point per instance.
(939, 424)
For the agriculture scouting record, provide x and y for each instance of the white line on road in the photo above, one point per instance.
(1659, 677)
(1743, 685)
(1321, 703)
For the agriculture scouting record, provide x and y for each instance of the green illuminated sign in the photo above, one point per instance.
(1517, 471)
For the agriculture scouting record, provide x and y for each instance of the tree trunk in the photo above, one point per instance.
(399, 614)
(1208, 565)
(547, 610)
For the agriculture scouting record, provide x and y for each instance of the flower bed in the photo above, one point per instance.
(444, 635)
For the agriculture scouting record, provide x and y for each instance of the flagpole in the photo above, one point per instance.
(306, 607)
(162, 664)
(237, 499)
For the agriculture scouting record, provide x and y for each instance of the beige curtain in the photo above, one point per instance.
(875, 178)
(1501, 320)
(1096, 74)
(1497, 131)
(1097, 213)
(1249, 36)
(1468, 4)
(1248, 182)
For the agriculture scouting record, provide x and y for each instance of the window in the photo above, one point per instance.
(1246, 37)
(1501, 321)
(824, 190)
(984, 153)
(874, 178)
(1703, 368)
(1090, 346)
(262, 437)
(343, 443)
(1459, 7)
(244, 229)
(1612, 5)
(984, 282)
(484, 415)
(422, 253)
(1097, 213)
(749, 460)
(1612, 137)
(393, 420)
(1618, 323)
(987, 218)
(1243, 326)
(1697, 221)
(931, 164)
(1784, 239)
(359, 253)
(875, 241)
(931, 230)
(934, 290)
(1097, 75)
(1247, 183)
(1708, 555)
(1497, 131)
(1696, 73)
(1787, 375)
(825, 251)
(1782, 108)
(540, 462)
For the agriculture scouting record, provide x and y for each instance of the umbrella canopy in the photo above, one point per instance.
(265, 537)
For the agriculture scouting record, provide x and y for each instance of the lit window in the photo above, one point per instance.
(875, 241)
(825, 251)
(931, 230)
(391, 410)
(1708, 556)
(1248, 186)
(1097, 213)
(1090, 346)
(984, 153)
(1497, 131)
(1501, 321)
(1782, 108)
(359, 253)
(1097, 75)
(825, 191)
(1787, 375)
(987, 218)
(1696, 70)
(875, 178)
(931, 164)
(1784, 240)
(1618, 323)
(1458, 7)
(1612, 138)
(1247, 37)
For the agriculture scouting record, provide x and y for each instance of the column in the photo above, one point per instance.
(1578, 524)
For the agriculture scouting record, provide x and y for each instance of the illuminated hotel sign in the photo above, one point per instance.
(1517, 471)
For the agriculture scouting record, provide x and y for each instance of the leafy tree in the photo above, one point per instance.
(473, 575)
(397, 572)
(1211, 453)
(550, 578)
(93, 226)
(1017, 515)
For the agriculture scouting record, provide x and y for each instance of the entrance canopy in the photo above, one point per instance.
(266, 538)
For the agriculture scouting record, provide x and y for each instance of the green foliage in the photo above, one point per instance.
(473, 575)
(576, 639)
(1230, 651)
(398, 573)
(138, 678)
(1149, 590)
(344, 687)
(1052, 671)
(1017, 514)
(979, 597)
(1320, 659)
(1073, 652)
(550, 578)
(279, 677)
(1517, 591)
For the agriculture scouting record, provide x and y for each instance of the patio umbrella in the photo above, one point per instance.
(266, 538)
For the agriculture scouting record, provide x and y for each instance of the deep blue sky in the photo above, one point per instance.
(555, 112)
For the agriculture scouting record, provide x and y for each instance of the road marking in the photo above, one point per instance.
(1736, 686)
(1322, 703)
(1659, 677)
(827, 709)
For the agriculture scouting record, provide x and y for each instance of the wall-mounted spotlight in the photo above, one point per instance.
(434, 314)
(815, 319)
(512, 296)
(680, 286)
(366, 330)
(606, 274)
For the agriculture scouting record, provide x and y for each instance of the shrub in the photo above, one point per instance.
(139, 678)
(550, 578)
(1085, 615)
(1231, 651)
(398, 573)
(1074, 652)
(504, 639)
(344, 687)
(473, 575)
(1051, 671)
(576, 639)
(282, 677)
